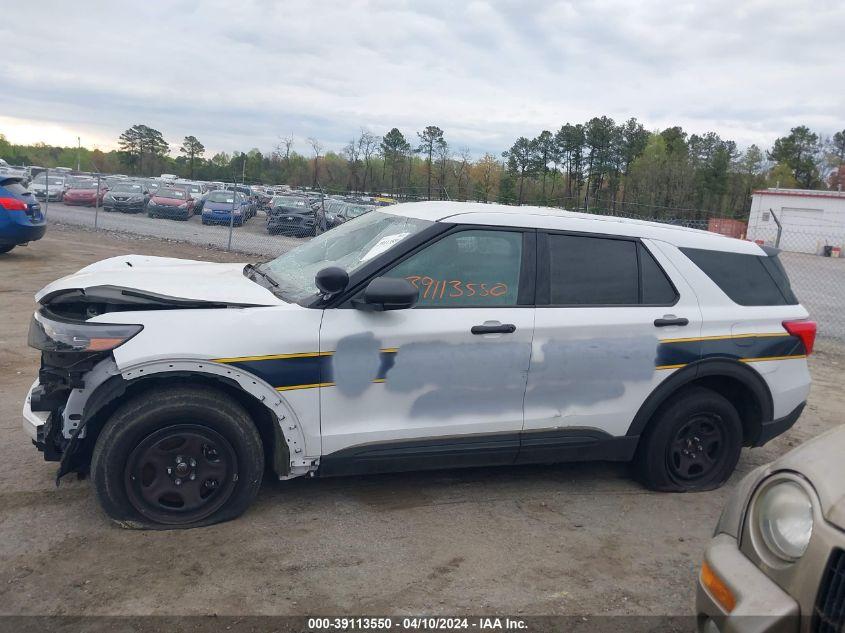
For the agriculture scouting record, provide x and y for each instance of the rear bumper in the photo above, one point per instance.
(12, 233)
(770, 430)
(761, 605)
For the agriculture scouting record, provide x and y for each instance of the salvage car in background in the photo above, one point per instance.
(777, 560)
(21, 220)
(44, 184)
(291, 215)
(87, 193)
(127, 196)
(429, 335)
(225, 207)
(170, 202)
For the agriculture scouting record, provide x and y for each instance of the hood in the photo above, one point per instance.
(820, 461)
(81, 192)
(164, 278)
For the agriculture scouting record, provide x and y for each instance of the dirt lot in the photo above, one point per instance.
(577, 539)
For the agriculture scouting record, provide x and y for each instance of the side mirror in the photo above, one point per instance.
(331, 280)
(388, 293)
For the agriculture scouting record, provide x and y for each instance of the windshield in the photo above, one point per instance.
(81, 184)
(221, 196)
(287, 201)
(349, 246)
(127, 187)
(176, 194)
(54, 182)
(354, 210)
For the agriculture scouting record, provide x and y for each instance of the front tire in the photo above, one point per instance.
(692, 443)
(177, 457)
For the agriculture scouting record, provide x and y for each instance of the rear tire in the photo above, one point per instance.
(692, 443)
(177, 457)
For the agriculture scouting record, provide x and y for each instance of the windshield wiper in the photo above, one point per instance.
(255, 269)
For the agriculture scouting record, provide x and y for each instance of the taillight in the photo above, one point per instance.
(805, 330)
(13, 204)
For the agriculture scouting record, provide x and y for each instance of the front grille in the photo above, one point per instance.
(829, 612)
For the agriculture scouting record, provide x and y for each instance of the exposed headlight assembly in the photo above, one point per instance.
(784, 519)
(49, 334)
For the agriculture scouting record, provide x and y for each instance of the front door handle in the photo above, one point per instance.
(504, 328)
(664, 322)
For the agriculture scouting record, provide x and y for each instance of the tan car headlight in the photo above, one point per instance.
(785, 519)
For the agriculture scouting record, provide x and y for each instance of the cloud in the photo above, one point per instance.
(486, 72)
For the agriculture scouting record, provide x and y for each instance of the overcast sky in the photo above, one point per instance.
(242, 74)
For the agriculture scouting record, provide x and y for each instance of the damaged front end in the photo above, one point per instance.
(72, 351)
(76, 360)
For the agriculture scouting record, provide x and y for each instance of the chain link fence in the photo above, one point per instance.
(811, 254)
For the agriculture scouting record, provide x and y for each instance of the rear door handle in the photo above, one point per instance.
(505, 328)
(673, 321)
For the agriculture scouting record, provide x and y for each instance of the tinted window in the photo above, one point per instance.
(656, 287)
(593, 271)
(466, 269)
(16, 188)
(776, 270)
(747, 279)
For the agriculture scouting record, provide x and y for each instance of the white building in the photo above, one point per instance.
(810, 219)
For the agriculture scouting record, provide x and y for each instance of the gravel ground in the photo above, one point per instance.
(566, 539)
(819, 283)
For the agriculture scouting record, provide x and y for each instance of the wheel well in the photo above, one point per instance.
(743, 387)
(276, 454)
(741, 397)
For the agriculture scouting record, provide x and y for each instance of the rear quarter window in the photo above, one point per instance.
(15, 188)
(749, 280)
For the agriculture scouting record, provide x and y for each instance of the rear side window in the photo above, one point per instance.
(749, 280)
(592, 271)
(16, 188)
(656, 287)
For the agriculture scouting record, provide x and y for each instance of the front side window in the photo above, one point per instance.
(475, 268)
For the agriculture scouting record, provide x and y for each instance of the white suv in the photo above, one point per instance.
(426, 335)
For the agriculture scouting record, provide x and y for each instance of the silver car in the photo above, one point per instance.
(777, 559)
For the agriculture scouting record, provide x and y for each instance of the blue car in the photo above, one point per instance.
(217, 208)
(21, 220)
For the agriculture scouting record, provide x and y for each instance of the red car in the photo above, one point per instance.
(85, 193)
(171, 202)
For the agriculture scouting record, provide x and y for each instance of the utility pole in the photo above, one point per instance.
(78, 150)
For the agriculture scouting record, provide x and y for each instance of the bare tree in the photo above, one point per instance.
(443, 156)
(316, 147)
(283, 148)
(352, 152)
(367, 146)
(461, 172)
